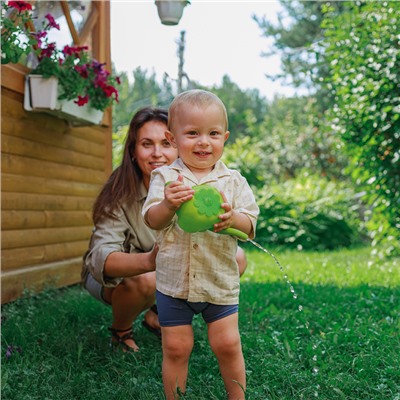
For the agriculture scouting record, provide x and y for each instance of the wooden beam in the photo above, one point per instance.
(28, 148)
(19, 258)
(14, 201)
(104, 35)
(89, 25)
(13, 77)
(71, 26)
(39, 237)
(30, 219)
(27, 166)
(31, 184)
(37, 278)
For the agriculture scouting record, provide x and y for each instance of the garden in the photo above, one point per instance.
(320, 299)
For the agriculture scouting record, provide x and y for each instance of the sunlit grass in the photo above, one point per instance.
(343, 344)
(342, 268)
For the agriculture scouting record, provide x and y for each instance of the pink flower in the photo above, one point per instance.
(83, 71)
(20, 5)
(52, 21)
(82, 100)
(109, 91)
(67, 50)
(39, 36)
(48, 51)
(70, 50)
(100, 80)
(82, 48)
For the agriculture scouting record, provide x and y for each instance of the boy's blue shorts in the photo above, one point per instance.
(176, 312)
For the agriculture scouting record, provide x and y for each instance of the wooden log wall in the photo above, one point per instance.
(51, 174)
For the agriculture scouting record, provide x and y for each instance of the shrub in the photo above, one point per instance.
(309, 212)
(362, 49)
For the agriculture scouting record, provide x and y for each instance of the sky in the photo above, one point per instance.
(221, 39)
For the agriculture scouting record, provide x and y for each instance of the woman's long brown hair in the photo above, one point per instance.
(123, 185)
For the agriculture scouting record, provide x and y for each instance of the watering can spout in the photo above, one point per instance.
(201, 212)
(234, 232)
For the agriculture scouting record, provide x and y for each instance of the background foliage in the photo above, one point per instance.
(362, 48)
(309, 212)
(324, 166)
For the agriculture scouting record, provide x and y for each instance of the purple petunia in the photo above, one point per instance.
(12, 349)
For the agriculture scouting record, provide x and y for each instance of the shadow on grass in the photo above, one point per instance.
(344, 344)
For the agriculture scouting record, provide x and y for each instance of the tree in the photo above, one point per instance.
(362, 50)
(297, 36)
(286, 143)
(294, 141)
(245, 107)
(145, 91)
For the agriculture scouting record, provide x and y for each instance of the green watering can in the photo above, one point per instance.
(201, 212)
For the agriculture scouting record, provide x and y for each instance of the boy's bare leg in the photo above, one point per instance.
(177, 345)
(224, 339)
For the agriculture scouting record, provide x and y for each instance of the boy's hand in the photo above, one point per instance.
(176, 193)
(226, 218)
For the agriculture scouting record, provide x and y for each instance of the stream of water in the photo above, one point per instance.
(295, 296)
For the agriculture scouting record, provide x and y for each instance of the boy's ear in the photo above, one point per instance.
(170, 137)
(227, 133)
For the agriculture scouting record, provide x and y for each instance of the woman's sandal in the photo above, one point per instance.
(118, 341)
(155, 331)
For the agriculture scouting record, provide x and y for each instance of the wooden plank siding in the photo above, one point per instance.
(51, 174)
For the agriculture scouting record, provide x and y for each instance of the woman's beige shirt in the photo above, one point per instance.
(127, 233)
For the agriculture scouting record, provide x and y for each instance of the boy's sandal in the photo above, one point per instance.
(155, 331)
(120, 341)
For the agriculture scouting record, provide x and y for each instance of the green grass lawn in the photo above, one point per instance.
(326, 327)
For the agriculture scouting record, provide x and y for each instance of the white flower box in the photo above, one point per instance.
(41, 95)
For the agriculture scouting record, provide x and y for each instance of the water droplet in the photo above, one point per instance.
(315, 371)
(281, 269)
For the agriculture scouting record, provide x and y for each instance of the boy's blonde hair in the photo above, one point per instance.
(195, 97)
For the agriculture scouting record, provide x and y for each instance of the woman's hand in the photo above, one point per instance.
(151, 258)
